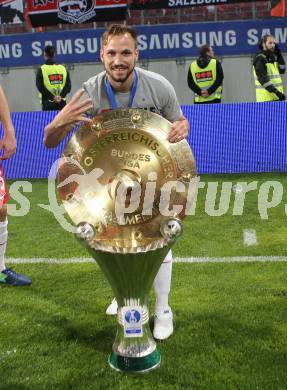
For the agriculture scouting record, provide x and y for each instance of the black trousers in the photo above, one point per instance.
(52, 106)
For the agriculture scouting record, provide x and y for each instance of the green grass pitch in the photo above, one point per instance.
(230, 318)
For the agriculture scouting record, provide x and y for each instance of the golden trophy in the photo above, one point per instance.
(126, 189)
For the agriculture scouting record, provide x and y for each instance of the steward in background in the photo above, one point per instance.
(268, 64)
(53, 82)
(205, 77)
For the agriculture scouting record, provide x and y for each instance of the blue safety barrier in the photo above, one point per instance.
(225, 138)
(238, 138)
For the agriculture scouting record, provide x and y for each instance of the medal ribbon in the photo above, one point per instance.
(111, 94)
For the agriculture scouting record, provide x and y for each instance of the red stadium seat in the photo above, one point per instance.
(262, 9)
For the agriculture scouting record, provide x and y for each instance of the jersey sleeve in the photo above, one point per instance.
(91, 87)
(171, 108)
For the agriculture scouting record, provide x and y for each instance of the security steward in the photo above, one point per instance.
(205, 77)
(53, 82)
(268, 64)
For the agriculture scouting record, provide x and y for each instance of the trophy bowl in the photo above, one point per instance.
(126, 188)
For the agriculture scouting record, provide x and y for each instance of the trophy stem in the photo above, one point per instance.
(131, 276)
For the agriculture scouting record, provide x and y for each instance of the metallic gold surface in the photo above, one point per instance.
(120, 182)
(130, 147)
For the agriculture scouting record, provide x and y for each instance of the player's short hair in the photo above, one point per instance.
(118, 29)
(50, 51)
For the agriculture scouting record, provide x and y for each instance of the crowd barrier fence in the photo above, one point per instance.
(225, 138)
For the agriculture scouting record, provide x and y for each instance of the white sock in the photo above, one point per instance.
(162, 283)
(3, 243)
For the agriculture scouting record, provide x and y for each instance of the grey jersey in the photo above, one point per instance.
(154, 93)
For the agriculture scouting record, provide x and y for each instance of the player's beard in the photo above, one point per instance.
(120, 79)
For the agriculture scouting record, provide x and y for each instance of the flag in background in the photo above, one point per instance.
(11, 11)
(53, 12)
(279, 9)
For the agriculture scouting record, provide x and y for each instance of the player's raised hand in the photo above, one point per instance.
(74, 112)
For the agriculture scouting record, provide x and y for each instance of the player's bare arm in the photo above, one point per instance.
(179, 130)
(66, 119)
(8, 142)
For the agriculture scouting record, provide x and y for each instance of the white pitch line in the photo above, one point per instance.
(46, 260)
(235, 259)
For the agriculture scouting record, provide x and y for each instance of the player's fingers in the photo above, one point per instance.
(77, 95)
(172, 135)
(84, 119)
(176, 135)
(85, 105)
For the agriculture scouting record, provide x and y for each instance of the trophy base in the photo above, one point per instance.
(135, 364)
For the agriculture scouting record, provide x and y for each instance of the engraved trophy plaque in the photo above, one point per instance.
(126, 188)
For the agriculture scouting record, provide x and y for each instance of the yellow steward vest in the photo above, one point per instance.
(205, 78)
(54, 78)
(262, 95)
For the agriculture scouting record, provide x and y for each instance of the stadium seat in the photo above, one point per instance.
(262, 9)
